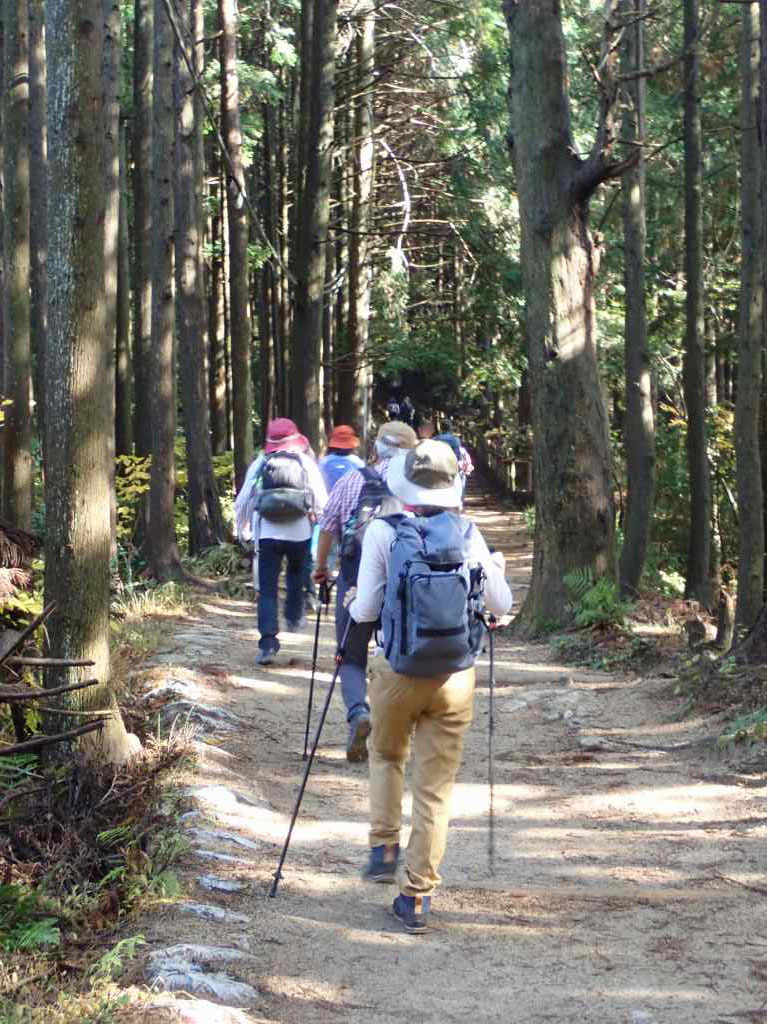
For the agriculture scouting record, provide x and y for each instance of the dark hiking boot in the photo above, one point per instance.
(413, 912)
(382, 866)
(357, 747)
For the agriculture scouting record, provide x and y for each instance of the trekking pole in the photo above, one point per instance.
(324, 595)
(283, 855)
(490, 736)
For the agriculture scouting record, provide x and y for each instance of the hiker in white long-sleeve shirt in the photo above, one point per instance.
(429, 701)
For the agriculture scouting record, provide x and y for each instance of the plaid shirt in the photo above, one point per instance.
(344, 497)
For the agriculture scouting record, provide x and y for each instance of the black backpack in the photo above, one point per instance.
(372, 496)
(282, 487)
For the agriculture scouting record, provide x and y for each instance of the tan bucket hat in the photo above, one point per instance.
(426, 475)
(397, 434)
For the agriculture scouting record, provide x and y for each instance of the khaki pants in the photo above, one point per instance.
(437, 712)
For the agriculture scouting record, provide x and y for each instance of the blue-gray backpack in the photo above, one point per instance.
(432, 602)
(369, 504)
(282, 488)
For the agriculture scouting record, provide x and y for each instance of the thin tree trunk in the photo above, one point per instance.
(239, 314)
(123, 381)
(698, 581)
(748, 461)
(38, 312)
(17, 428)
(639, 420)
(216, 328)
(161, 534)
(206, 524)
(314, 217)
(573, 485)
(77, 481)
(143, 92)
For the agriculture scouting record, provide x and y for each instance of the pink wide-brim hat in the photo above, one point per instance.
(282, 435)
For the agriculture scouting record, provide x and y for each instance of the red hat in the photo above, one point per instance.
(282, 435)
(343, 437)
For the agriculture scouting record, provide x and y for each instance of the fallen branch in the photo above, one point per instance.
(45, 741)
(742, 885)
(9, 695)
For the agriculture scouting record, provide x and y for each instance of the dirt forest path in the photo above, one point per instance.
(629, 877)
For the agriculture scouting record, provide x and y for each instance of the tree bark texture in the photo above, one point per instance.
(698, 581)
(354, 376)
(574, 507)
(38, 312)
(750, 334)
(639, 420)
(161, 534)
(143, 92)
(239, 312)
(206, 525)
(77, 482)
(314, 216)
(17, 428)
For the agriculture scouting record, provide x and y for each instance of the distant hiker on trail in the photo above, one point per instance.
(282, 496)
(340, 457)
(407, 410)
(424, 682)
(357, 497)
(426, 430)
(392, 408)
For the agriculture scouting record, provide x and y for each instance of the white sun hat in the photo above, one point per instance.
(426, 475)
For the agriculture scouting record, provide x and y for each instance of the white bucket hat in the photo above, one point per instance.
(426, 475)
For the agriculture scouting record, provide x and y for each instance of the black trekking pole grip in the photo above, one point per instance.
(315, 744)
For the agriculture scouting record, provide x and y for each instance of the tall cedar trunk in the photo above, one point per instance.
(123, 381)
(2, 234)
(356, 376)
(314, 215)
(304, 103)
(698, 582)
(206, 524)
(283, 310)
(639, 420)
(267, 315)
(573, 499)
(216, 332)
(143, 92)
(38, 312)
(17, 428)
(111, 79)
(161, 533)
(239, 313)
(751, 332)
(77, 481)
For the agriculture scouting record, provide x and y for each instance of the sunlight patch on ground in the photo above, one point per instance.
(663, 802)
(270, 686)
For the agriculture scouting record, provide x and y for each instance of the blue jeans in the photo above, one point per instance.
(353, 680)
(270, 555)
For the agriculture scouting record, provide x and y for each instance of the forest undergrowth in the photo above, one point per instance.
(86, 847)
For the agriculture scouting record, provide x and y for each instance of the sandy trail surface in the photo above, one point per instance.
(628, 880)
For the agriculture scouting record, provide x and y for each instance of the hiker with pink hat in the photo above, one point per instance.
(278, 504)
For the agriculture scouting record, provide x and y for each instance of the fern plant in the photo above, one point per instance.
(595, 602)
(23, 925)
